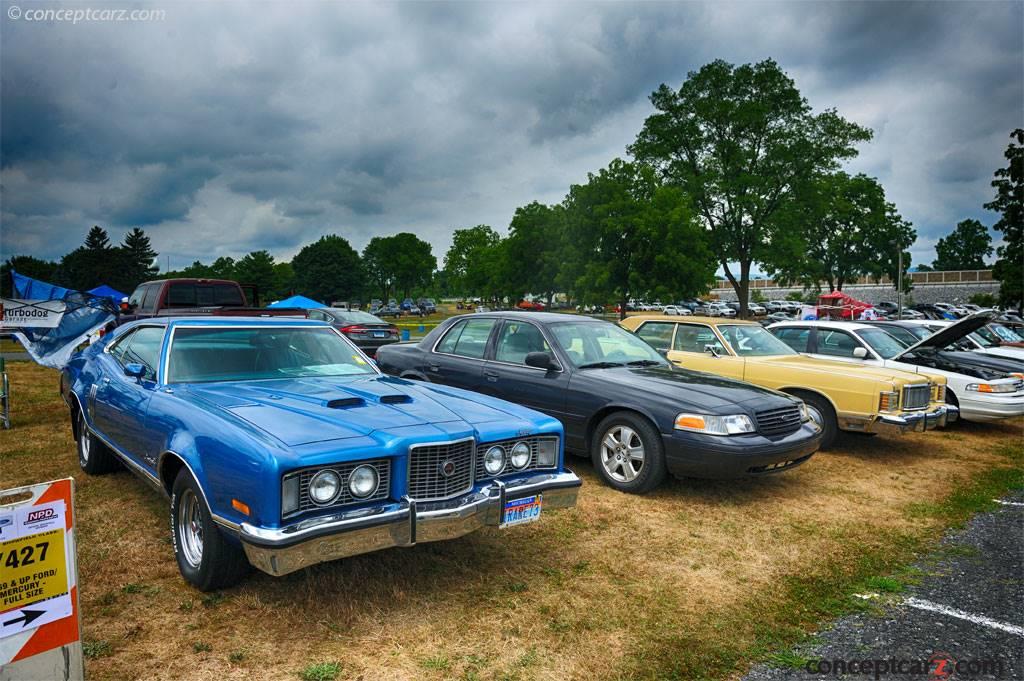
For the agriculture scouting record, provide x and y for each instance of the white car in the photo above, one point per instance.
(676, 310)
(719, 310)
(983, 388)
(755, 309)
(983, 340)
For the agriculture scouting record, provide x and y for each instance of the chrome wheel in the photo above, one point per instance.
(816, 416)
(190, 528)
(84, 441)
(622, 453)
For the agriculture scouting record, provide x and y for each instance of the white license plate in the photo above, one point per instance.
(520, 511)
(380, 334)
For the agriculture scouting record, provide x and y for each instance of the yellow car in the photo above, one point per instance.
(839, 396)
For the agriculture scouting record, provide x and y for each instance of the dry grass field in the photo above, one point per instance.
(695, 581)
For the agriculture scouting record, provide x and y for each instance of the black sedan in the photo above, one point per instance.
(368, 332)
(636, 415)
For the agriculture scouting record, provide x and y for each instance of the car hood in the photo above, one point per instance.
(305, 410)
(684, 385)
(952, 333)
(829, 367)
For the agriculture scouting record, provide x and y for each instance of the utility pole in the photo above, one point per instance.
(899, 285)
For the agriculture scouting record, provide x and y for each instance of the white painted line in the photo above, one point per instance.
(1008, 503)
(960, 614)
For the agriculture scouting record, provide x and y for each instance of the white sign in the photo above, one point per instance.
(34, 314)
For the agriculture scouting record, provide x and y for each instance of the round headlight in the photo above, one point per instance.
(494, 460)
(363, 481)
(520, 456)
(324, 487)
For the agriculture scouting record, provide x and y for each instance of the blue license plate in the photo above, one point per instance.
(520, 511)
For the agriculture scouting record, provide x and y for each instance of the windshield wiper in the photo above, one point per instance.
(599, 365)
(644, 363)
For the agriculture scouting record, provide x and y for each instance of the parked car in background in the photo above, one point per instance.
(985, 388)
(427, 305)
(368, 332)
(756, 309)
(530, 305)
(719, 310)
(839, 396)
(190, 297)
(982, 341)
(776, 306)
(281, 445)
(635, 414)
(676, 310)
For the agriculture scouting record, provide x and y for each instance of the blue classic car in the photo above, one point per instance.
(280, 444)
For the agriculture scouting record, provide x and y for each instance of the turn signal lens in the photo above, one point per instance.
(690, 422)
(240, 507)
(547, 452)
(889, 401)
(714, 424)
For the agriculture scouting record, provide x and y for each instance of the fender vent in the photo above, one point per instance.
(345, 403)
(395, 399)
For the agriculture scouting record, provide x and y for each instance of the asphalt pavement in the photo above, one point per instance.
(964, 620)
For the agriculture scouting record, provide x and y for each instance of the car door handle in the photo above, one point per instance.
(434, 366)
(491, 376)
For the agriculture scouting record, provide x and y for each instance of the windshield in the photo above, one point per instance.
(206, 354)
(905, 335)
(355, 317)
(985, 340)
(748, 340)
(602, 344)
(882, 343)
(1004, 333)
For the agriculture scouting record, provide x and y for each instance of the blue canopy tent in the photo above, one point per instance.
(104, 291)
(297, 301)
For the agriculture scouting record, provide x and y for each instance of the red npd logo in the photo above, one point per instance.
(941, 666)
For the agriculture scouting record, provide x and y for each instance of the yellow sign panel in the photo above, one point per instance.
(32, 569)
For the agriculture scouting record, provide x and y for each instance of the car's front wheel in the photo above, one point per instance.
(206, 559)
(628, 453)
(94, 457)
(822, 413)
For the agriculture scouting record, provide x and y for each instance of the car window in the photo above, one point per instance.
(695, 338)
(902, 334)
(152, 295)
(752, 340)
(602, 343)
(203, 295)
(837, 343)
(467, 339)
(518, 339)
(793, 337)
(658, 334)
(317, 315)
(886, 345)
(141, 347)
(137, 296)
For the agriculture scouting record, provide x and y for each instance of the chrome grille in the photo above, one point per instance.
(916, 396)
(533, 441)
(426, 481)
(775, 422)
(343, 470)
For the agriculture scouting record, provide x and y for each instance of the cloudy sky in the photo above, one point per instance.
(226, 127)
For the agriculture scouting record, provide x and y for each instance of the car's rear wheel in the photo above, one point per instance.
(822, 413)
(94, 457)
(628, 453)
(206, 559)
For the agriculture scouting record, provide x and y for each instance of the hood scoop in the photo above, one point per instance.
(395, 399)
(346, 402)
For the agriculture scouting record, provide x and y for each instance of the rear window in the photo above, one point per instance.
(204, 295)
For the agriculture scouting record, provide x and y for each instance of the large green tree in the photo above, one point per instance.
(95, 263)
(466, 264)
(966, 248)
(635, 237)
(257, 268)
(399, 264)
(738, 140)
(839, 228)
(536, 237)
(139, 257)
(1009, 203)
(328, 269)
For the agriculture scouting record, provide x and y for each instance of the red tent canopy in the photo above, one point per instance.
(839, 305)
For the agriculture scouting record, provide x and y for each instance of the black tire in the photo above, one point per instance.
(94, 457)
(620, 471)
(217, 563)
(829, 424)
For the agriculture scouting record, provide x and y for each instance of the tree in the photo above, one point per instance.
(97, 239)
(139, 257)
(840, 228)
(535, 237)
(399, 263)
(44, 270)
(328, 269)
(465, 263)
(965, 248)
(1009, 202)
(635, 236)
(257, 268)
(738, 140)
(923, 267)
(95, 263)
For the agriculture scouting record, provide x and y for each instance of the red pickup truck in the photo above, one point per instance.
(187, 297)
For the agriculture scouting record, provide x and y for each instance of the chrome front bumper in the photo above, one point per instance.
(917, 421)
(293, 547)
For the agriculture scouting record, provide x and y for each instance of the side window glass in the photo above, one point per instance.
(144, 348)
(836, 343)
(517, 340)
(472, 342)
(137, 296)
(119, 346)
(447, 344)
(658, 334)
(152, 293)
(693, 338)
(794, 338)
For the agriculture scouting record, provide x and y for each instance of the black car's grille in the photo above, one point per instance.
(507, 445)
(916, 396)
(427, 478)
(776, 422)
(343, 470)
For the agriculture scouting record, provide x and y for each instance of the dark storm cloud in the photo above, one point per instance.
(231, 127)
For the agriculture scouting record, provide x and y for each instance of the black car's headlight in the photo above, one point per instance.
(712, 424)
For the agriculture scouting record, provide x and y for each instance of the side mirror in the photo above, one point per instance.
(134, 370)
(860, 353)
(539, 360)
(663, 352)
(711, 350)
